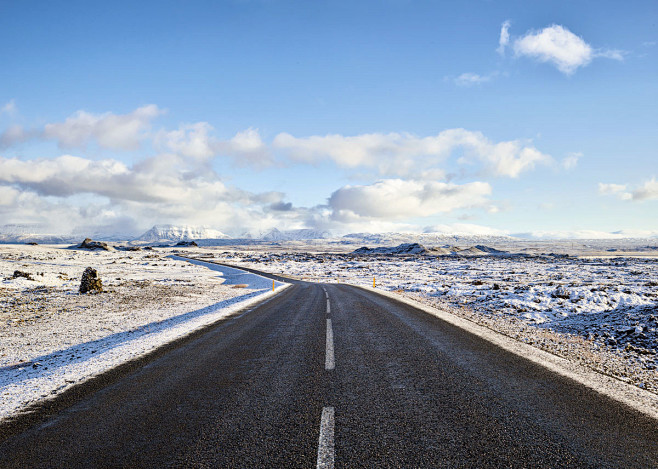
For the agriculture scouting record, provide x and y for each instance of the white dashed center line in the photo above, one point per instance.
(329, 363)
(326, 442)
(328, 307)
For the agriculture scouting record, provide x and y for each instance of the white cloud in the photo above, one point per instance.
(246, 148)
(614, 54)
(165, 188)
(557, 45)
(117, 132)
(400, 199)
(190, 140)
(9, 108)
(648, 191)
(615, 189)
(13, 135)
(571, 161)
(408, 155)
(503, 41)
(471, 79)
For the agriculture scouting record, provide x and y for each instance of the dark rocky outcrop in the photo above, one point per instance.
(20, 273)
(402, 249)
(91, 282)
(187, 243)
(93, 245)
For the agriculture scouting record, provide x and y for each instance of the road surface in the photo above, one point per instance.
(331, 376)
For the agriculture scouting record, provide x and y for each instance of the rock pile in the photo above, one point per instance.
(90, 282)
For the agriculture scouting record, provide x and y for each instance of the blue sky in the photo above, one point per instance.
(484, 117)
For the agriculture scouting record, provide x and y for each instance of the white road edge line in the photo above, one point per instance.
(329, 363)
(326, 441)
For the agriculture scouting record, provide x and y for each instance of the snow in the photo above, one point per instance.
(51, 337)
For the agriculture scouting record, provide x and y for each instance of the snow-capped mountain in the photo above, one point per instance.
(165, 233)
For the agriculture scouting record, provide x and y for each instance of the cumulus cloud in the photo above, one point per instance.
(190, 140)
(196, 141)
(648, 191)
(400, 199)
(503, 41)
(408, 155)
(113, 131)
(247, 148)
(557, 45)
(165, 187)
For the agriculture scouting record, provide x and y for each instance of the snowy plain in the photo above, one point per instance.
(52, 337)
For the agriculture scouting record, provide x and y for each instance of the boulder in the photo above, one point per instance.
(91, 282)
(91, 244)
(20, 273)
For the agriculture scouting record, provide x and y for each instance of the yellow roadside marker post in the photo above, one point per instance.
(272, 285)
(373, 282)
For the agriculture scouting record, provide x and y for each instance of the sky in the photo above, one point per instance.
(535, 118)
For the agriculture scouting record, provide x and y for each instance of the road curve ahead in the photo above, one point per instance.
(333, 376)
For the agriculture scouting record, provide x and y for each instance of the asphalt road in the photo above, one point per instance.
(355, 380)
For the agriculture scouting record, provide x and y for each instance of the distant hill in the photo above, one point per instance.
(167, 233)
(415, 248)
(428, 239)
(293, 235)
(20, 234)
(412, 248)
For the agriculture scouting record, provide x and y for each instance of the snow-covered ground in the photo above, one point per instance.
(602, 311)
(52, 337)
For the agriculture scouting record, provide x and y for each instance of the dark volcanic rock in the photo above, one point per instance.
(409, 248)
(91, 244)
(90, 282)
(20, 273)
(186, 243)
